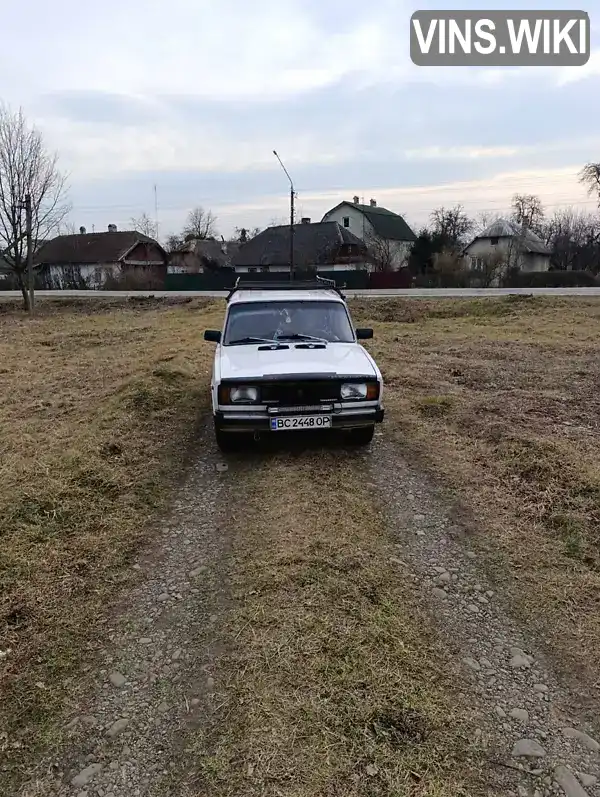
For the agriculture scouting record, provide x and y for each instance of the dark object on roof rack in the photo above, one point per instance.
(288, 285)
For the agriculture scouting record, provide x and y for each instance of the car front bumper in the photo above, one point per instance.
(259, 419)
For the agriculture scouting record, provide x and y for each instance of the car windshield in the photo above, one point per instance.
(300, 320)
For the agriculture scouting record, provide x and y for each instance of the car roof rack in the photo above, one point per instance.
(320, 283)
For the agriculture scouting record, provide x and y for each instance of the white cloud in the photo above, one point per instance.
(107, 150)
(556, 188)
(571, 74)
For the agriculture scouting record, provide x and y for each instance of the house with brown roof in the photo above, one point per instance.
(97, 260)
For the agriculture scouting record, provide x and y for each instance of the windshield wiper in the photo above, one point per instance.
(298, 336)
(242, 341)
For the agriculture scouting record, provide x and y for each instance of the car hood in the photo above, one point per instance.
(340, 359)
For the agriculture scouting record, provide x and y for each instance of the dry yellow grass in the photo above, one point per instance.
(93, 406)
(331, 684)
(501, 398)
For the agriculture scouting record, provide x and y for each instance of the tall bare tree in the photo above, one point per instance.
(589, 176)
(452, 226)
(145, 225)
(200, 224)
(528, 211)
(574, 238)
(27, 168)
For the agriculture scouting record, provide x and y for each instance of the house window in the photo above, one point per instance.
(494, 241)
(346, 221)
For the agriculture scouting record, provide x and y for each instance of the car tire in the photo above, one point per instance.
(362, 436)
(228, 442)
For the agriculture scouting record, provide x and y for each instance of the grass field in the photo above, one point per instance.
(95, 409)
(501, 399)
(498, 397)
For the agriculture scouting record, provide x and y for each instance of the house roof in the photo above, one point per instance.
(386, 223)
(313, 244)
(218, 252)
(503, 228)
(96, 247)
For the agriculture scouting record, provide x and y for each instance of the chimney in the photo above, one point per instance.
(356, 200)
(82, 230)
(112, 227)
(373, 203)
(306, 220)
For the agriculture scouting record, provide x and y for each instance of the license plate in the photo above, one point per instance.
(300, 422)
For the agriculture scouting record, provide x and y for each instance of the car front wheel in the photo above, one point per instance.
(228, 442)
(362, 436)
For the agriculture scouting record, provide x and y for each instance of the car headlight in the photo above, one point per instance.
(354, 390)
(359, 391)
(243, 395)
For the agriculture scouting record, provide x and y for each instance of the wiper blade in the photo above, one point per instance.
(298, 336)
(242, 341)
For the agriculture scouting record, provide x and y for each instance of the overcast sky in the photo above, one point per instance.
(193, 96)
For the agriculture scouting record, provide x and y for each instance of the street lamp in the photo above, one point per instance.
(291, 215)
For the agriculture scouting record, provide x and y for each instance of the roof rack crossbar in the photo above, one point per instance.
(320, 283)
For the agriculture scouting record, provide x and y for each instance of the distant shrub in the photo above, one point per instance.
(458, 279)
(551, 279)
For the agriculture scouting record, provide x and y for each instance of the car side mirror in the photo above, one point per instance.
(213, 335)
(364, 334)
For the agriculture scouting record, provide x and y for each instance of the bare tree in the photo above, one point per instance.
(278, 221)
(574, 238)
(200, 224)
(243, 234)
(484, 220)
(174, 242)
(386, 255)
(67, 228)
(589, 176)
(492, 267)
(26, 169)
(145, 225)
(452, 226)
(527, 211)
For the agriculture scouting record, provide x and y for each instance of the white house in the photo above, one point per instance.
(506, 245)
(387, 235)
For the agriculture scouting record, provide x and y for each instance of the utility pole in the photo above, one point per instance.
(156, 212)
(28, 228)
(292, 196)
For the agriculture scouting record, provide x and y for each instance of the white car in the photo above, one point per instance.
(288, 359)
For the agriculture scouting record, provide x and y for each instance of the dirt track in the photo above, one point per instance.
(317, 623)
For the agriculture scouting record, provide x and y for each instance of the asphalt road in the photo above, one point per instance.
(413, 293)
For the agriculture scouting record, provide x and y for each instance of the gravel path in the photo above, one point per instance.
(523, 713)
(128, 737)
(156, 678)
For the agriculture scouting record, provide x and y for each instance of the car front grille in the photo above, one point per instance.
(289, 394)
